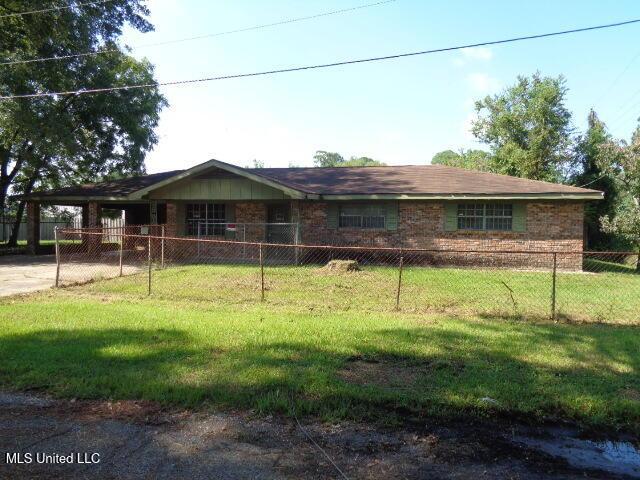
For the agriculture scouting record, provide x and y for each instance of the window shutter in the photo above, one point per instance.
(450, 217)
(392, 216)
(519, 221)
(332, 216)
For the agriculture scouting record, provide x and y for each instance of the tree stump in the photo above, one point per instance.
(342, 266)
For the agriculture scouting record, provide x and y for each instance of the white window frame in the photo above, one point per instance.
(207, 225)
(494, 212)
(361, 216)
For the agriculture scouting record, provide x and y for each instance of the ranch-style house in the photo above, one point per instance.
(427, 206)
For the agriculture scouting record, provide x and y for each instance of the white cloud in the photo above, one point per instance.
(469, 55)
(478, 53)
(466, 127)
(482, 82)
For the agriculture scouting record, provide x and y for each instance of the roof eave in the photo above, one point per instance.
(468, 196)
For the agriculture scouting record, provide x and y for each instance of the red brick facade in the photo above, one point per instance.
(550, 226)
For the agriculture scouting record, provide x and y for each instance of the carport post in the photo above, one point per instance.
(149, 264)
(55, 236)
(122, 230)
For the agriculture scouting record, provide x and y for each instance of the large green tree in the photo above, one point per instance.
(66, 139)
(323, 158)
(589, 173)
(468, 159)
(527, 127)
(621, 160)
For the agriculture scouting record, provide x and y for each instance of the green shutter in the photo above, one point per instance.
(332, 215)
(519, 217)
(450, 217)
(392, 216)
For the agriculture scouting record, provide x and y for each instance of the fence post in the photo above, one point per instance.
(261, 275)
(55, 236)
(149, 264)
(162, 249)
(122, 235)
(553, 287)
(399, 284)
(297, 241)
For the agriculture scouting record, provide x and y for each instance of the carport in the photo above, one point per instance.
(94, 199)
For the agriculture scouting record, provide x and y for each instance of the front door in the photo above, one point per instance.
(279, 230)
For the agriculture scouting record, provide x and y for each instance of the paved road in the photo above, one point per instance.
(26, 273)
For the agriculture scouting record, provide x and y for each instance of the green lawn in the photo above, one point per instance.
(609, 297)
(325, 344)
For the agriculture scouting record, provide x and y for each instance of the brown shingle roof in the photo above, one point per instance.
(427, 180)
(111, 188)
(410, 180)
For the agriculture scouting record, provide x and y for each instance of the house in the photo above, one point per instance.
(427, 206)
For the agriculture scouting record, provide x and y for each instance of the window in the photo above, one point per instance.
(205, 219)
(362, 216)
(489, 216)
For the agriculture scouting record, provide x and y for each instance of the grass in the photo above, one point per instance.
(23, 243)
(329, 345)
(607, 297)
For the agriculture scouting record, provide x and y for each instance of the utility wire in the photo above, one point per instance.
(53, 9)
(199, 37)
(318, 66)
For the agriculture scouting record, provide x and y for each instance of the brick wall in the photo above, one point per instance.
(551, 226)
(251, 212)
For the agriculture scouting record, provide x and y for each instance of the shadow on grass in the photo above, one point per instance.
(595, 265)
(582, 378)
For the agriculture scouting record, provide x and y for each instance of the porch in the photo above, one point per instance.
(266, 221)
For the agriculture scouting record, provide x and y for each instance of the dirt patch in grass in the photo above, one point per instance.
(391, 373)
(134, 411)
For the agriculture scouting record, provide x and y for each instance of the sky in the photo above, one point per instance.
(398, 111)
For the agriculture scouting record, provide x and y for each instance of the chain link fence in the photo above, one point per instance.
(142, 260)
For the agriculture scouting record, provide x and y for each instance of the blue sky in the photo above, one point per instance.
(398, 111)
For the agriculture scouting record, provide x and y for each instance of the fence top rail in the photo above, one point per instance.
(242, 223)
(339, 247)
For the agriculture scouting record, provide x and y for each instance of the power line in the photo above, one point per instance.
(200, 37)
(53, 9)
(318, 66)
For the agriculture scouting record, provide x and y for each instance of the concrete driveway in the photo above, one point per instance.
(26, 273)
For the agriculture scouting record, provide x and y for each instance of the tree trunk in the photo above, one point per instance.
(638, 261)
(13, 239)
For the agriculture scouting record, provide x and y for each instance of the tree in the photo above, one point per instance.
(527, 127)
(621, 160)
(589, 174)
(59, 140)
(327, 159)
(446, 157)
(469, 159)
(331, 159)
(362, 162)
